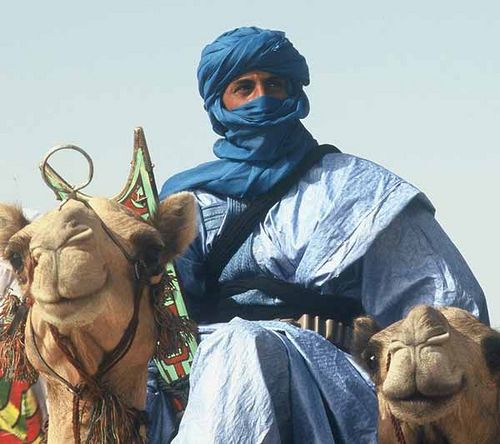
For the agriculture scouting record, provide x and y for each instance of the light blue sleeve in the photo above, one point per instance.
(413, 261)
(190, 266)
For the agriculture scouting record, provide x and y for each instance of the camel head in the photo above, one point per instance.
(76, 266)
(85, 270)
(74, 270)
(436, 368)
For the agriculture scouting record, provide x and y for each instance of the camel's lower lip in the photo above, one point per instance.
(419, 397)
(418, 407)
(64, 301)
(421, 401)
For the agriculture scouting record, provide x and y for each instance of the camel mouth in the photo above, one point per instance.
(65, 308)
(422, 408)
(420, 399)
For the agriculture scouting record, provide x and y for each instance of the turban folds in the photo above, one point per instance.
(246, 49)
(263, 139)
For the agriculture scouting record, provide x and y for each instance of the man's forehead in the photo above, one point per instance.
(255, 74)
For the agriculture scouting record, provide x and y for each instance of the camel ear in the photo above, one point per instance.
(176, 222)
(491, 349)
(364, 328)
(11, 221)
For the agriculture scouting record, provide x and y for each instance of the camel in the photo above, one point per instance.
(437, 376)
(84, 268)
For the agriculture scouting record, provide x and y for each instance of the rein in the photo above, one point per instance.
(94, 384)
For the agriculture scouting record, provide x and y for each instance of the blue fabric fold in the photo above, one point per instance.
(263, 140)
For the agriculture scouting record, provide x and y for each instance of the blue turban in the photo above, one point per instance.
(263, 140)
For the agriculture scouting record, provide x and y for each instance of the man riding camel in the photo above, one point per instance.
(287, 228)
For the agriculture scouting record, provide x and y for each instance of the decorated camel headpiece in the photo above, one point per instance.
(140, 195)
(176, 343)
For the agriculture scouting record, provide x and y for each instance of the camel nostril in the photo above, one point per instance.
(438, 339)
(83, 234)
(396, 345)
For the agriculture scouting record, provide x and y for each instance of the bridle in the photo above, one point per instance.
(94, 385)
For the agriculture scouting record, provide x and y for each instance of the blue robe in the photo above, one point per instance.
(349, 227)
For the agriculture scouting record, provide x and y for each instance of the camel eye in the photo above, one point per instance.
(372, 362)
(152, 257)
(16, 260)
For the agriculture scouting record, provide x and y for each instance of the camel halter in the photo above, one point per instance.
(93, 383)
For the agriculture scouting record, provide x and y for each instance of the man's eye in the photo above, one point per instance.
(244, 88)
(276, 84)
(16, 260)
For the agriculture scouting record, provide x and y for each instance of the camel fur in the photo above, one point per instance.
(79, 281)
(437, 375)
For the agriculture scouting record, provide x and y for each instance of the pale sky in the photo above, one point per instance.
(413, 86)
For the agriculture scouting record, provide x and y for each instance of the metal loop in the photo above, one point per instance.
(74, 188)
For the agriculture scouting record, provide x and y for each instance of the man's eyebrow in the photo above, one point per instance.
(242, 80)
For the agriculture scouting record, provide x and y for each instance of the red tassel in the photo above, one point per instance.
(13, 362)
(111, 421)
(174, 332)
